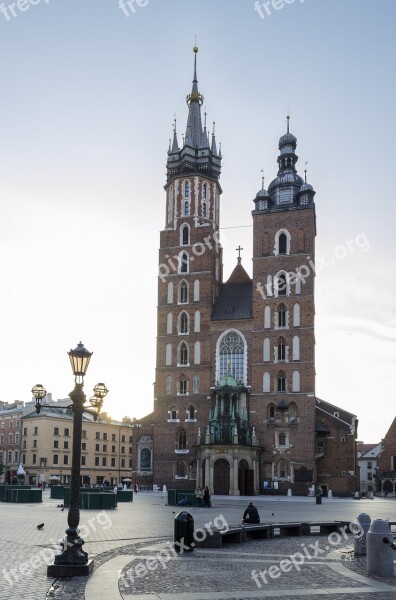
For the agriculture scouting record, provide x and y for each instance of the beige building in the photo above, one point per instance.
(47, 442)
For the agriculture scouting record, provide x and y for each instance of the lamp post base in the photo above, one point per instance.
(71, 570)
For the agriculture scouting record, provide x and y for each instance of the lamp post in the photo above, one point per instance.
(73, 560)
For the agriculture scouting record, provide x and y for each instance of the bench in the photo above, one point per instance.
(285, 529)
(217, 537)
(256, 532)
(325, 527)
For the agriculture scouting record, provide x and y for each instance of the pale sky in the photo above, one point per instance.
(87, 104)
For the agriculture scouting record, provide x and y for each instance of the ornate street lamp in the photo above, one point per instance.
(73, 560)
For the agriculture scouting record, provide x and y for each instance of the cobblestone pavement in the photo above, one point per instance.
(124, 541)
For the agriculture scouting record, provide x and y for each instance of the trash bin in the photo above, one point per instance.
(184, 532)
(318, 499)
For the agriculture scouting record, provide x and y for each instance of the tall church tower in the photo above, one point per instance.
(190, 274)
(283, 343)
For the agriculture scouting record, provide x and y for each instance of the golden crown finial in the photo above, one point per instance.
(195, 49)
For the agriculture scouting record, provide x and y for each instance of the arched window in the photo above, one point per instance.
(182, 440)
(183, 387)
(197, 353)
(231, 350)
(298, 283)
(281, 350)
(170, 293)
(281, 285)
(282, 316)
(296, 348)
(183, 354)
(186, 189)
(172, 413)
(191, 413)
(282, 244)
(282, 469)
(183, 292)
(196, 384)
(296, 381)
(183, 262)
(292, 411)
(204, 191)
(168, 355)
(169, 385)
(266, 382)
(204, 210)
(296, 315)
(183, 323)
(282, 439)
(186, 209)
(197, 322)
(196, 290)
(271, 411)
(169, 319)
(185, 235)
(266, 350)
(281, 382)
(181, 469)
(267, 317)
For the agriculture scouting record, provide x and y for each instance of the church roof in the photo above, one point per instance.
(234, 301)
(239, 275)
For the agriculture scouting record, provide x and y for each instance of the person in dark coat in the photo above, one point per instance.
(206, 497)
(250, 515)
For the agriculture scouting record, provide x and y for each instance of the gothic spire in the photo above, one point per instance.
(194, 131)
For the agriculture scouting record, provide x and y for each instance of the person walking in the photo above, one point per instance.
(206, 497)
(251, 515)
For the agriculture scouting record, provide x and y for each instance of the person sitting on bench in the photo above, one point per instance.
(250, 516)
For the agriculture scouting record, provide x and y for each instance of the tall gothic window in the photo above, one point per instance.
(281, 350)
(187, 190)
(281, 383)
(204, 210)
(183, 262)
(281, 285)
(196, 384)
(186, 210)
(183, 354)
(182, 440)
(282, 243)
(232, 356)
(183, 292)
(185, 236)
(183, 323)
(204, 190)
(282, 316)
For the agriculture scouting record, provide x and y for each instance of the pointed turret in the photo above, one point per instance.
(196, 153)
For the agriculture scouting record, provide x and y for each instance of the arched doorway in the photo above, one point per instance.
(245, 479)
(221, 477)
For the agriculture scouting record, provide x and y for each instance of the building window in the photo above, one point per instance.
(281, 285)
(172, 413)
(168, 355)
(196, 291)
(296, 381)
(97, 448)
(113, 437)
(204, 191)
(55, 459)
(292, 411)
(204, 210)
(123, 439)
(191, 413)
(183, 323)
(169, 385)
(296, 315)
(123, 463)
(34, 459)
(169, 323)
(282, 469)
(84, 433)
(104, 462)
(97, 463)
(65, 459)
(186, 210)
(281, 383)
(183, 262)
(369, 476)
(197, 321)
(281, 350)
(282, 316)
(196, 384)
(182, 441)
(67, 432)
(10, 440)
(83, 461)
(282, 439)
(145, 458)
(35, 431)
(113, 462)
(104, 447)
(2, 440)
(181, 469)
(83, 446)
(296, 348)
(186, 189)
(105, 436)
(183, 354)
(66, 445)
(232, 356)
(170, 293)
(97, 435)
(369, 464)
(183, 292)
(185, 235)
(266, 382)
(197, 353)
(25, 431)
(113, 449)
(122, 449)
(282, 244)
(183, 386)
(271, 411)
